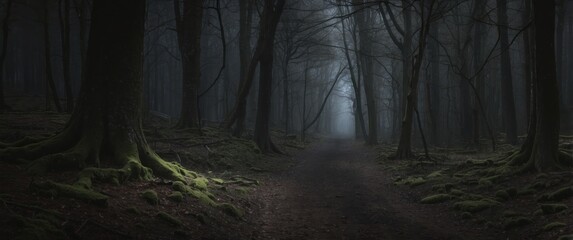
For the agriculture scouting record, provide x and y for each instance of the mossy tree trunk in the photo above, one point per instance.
(188, 27)
(64, 8)
(540, 151)
(106, 125)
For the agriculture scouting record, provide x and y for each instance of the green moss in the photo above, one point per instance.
(558, 195)
(553, 225)
(70, 191)
(553, 208)
(204, 198)
(179, 186)
(437, 198)
(169, 219)
(150, 197)
(436, 174)
(231, 210)
(200, 183)
(474, 206)
(516, 222)
(457, 192)
(502, 195)
(242, 190)
(176, 196)
(412, 181)
(218, 181)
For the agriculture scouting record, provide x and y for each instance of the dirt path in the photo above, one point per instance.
(338, 191)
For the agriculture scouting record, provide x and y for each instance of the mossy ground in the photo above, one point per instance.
(208, 205)
(480, 188)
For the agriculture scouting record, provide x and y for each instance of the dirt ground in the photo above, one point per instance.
(339, 191)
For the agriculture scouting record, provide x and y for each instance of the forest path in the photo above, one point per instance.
(339, 191)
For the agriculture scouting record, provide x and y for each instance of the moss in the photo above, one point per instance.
(150, 196)
(558, 195)
(526, 191)
(538, 212)
(231, 210)
(437, 198)
(512, 192)
(204, 198)
(553, 225)
(218, 181)
(242, 190)
(200, 183)
(553, 208)
(412, 181)
(474, 206)
(435, 174)
(502, 195)
(179, 186)
(169, 219)
(176, 196)
(70, 191)
(457, 192)
(516, 222)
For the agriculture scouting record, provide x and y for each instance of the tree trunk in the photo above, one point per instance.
(189, 37)
(507, 98)
(5, 33)
(362, 19)
(269, 22)
(405, 143)
(107, 123)
(65, 34)
(51, 84)
(540, 151)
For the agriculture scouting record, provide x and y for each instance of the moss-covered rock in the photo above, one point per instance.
(200, 183)
(553, 208)
(457, 192)
(176, 196)
(516, 222)
(169, 219)
(437, 198)
(150, 196)
(218, 181)
(179, 186)
(231, 210)
(474, 206)
(553, 225)
(412, 181)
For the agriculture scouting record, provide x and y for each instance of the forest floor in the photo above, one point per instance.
(324, 189)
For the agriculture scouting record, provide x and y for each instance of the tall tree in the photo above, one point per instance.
(540, 151)
(189, 26)
(4, 53)
(48, 59)
(269, 20)
(405, 144)
(64, 8)
(507, 98)
(363, 18)
(106, 125)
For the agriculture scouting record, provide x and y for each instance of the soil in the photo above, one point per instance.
(338, 190)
